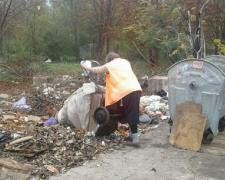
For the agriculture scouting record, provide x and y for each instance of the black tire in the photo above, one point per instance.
(221, 125)
(207, 137)
(170, 122)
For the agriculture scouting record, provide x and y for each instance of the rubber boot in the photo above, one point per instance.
(135, 142)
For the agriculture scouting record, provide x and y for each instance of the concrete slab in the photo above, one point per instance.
(38, 81)
(157, 83)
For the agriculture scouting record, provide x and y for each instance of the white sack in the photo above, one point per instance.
(76, 108)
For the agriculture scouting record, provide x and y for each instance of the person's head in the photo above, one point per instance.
(111, 56)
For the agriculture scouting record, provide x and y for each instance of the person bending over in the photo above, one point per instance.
(121, 85)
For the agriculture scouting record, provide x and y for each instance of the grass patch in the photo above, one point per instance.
(7, 77)
(140, 67)
(63, 69)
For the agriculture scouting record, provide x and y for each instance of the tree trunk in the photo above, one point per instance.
(1, 39)
(151, 56)
(216, 50)
(107, 45)
(197, 41)
(101, 29)
(108, 24)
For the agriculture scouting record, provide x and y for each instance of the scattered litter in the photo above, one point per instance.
(144, 118)
(153, 169)
(162, 93)
(7, 117)
(153, 109)
(4, 139)
(21, 105)
(92, 133)
(50, 121)
(125, 134)
(103, 143)
(48, 61)
(20, 140)
(51, 168)
(4, 96)
(35, 137)
(154, 127)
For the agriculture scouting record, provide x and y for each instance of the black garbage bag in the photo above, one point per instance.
(161, 93)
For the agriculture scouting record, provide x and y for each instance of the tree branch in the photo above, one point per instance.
(6, 14)
(204, 6)
(4, 26)
(11, 70)
(142, 54)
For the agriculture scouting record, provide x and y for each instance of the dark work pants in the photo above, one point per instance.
(131, 109)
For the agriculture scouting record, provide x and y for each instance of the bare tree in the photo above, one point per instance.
(9, 9)
(196, 40)
(5, 6)
(103, 18)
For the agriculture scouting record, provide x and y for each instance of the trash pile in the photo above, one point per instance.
(54, 146)
(154, 109)
(34, 146)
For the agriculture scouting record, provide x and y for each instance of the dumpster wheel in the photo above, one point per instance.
(207, 137)
(221, 125)
(170, 122)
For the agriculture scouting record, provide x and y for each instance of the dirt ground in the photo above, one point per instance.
(16, 87)
(156, 160)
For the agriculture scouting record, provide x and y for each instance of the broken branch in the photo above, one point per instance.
(21, 140)
(142, 54)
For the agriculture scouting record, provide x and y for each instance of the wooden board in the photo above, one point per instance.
(182, 107)
(190, 131)
(95, 103)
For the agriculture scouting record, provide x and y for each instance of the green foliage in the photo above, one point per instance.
(221, 47)
(154, 30)
(57, 32)
(22, 64)
(13, 46)
(143, 68)
(175, 12)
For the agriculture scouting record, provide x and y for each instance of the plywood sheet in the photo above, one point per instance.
(190, 131)
(182, 107)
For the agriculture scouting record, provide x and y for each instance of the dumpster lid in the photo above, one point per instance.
(218, 60)
(194, 59)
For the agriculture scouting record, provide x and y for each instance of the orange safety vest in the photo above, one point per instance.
(120, 81)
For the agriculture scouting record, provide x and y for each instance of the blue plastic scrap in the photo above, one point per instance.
(50, 121)
(21, 104)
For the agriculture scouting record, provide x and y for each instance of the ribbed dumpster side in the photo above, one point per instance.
(201, 82)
